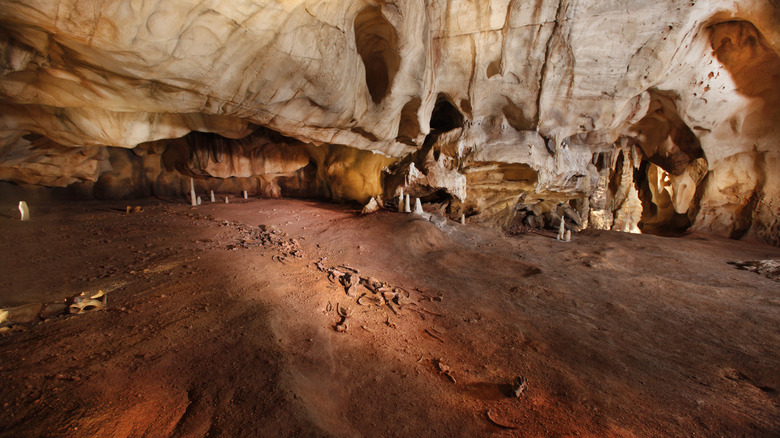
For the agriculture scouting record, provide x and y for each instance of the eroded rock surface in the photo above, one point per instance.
(644, 116)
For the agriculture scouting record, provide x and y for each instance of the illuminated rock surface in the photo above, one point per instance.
(658, 116)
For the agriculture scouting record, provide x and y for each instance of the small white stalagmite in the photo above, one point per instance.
(24, 211)
(561, 231)
(193, 198)
(407, 208)
(417, 206)
(199, 200)
(212, 196)
(463, 219)
(245, 195)
(401, 202)
(568, 235)
(226, 200)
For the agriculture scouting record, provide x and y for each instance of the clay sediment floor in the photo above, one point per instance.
(217, 326)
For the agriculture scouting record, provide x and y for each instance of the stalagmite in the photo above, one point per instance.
(193, 199)
(561, 231)
(212, 196)
(568, 236)
(401, 201)
(417, 206)
(245, 195)
(407, 208)
(463, 219)
(226, 200)
(24, 211)
(199, 200)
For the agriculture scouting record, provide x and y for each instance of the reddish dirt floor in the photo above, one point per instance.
(221, 321)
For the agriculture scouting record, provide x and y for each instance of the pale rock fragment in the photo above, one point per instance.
(24, 211)
(371, 207)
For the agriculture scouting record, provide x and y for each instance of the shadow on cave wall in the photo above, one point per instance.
(376, 41)
(754, 67)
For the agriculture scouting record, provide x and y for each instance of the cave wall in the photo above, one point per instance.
(655, 116)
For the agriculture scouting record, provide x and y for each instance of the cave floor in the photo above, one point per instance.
(209, 331)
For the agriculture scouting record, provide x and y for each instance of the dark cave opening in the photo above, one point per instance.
(445, 117)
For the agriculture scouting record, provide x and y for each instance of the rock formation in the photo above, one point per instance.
(655, 116)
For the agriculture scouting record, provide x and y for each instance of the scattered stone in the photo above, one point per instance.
(502, 425)
(518, 386)
(444, 369)
(350, 282)
(52, 310)
(371, 283)
(23, 314)
(371, 207)
(388, 295)
(434, 336)
(767, 268)
(438, 220)
(430, 312)
(342, 326)
(370, 299)
(280, 259)
(347, 268)
(334, 275)
(344, 313)
(81, 304)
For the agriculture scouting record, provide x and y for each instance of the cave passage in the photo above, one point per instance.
(445, 117)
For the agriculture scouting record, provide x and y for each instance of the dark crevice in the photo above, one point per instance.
(409, 125)
(376, 42)
(362, 132)
(543, 72)
(745, 218)
(445, 117)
